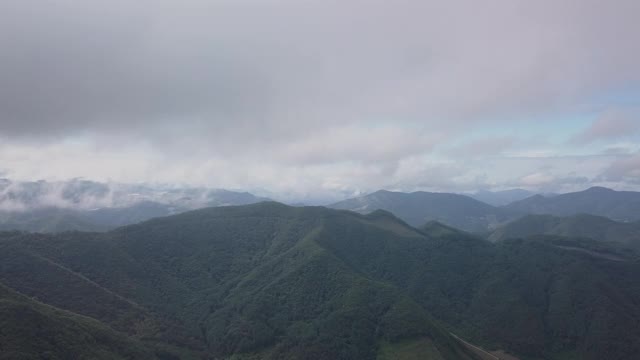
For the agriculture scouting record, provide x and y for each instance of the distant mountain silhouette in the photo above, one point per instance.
(416, 208)
(500, 198)
(616, 205)
(583, 226)
(91, 206)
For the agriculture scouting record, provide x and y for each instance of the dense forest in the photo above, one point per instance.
(269, 281)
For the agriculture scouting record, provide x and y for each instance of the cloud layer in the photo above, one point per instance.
(308, 96)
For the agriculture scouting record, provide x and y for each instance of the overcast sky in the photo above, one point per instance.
(323, 98)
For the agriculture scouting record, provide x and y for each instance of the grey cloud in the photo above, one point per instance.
(294, 94)
(556, 174)
(612, 124)
(626, 168)
(18, 196)
(282, 67)
(317, 182)
(547, 181)
(617, 150)
(379, 144)
(488, 146)
(413, 175)
(81, 194)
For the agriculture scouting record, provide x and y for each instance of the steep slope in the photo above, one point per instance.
(419, 207)
(574, 298)
(616, 205)
(586, 226)
(31, 330)
(249, 281)
(544, 298)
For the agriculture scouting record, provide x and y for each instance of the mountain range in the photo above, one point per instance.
(90, 206)
(616, 205)
(501, 198)
(269, 281)
(469, 214)
(416, 208)
(599, 228)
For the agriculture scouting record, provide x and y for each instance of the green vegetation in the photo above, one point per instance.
(246, 281)
(417, 349)
(31, 330)
(268, 281)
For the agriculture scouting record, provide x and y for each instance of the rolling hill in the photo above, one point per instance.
(419, 207)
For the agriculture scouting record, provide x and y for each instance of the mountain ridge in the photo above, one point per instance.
(595, 227)
(418, 207)
(616, 205)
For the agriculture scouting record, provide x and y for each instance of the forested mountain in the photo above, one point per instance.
(419, 207)
(32, 330)
(269, 281)
(616, 205)
(251, 281)
(586, 226)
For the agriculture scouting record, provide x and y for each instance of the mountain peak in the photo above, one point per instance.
(379, 213)
(418, 207)
(381, 192)
(599, 189)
